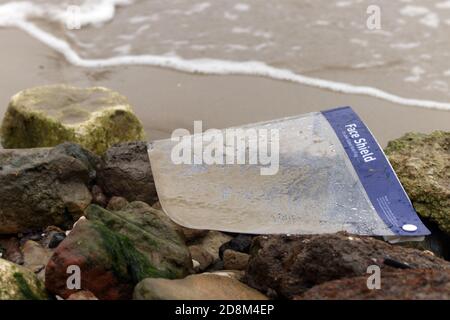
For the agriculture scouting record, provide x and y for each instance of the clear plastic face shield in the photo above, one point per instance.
(316, 173)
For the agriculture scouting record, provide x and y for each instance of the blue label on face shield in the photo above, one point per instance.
(375, 173)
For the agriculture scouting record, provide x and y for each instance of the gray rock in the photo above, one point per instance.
(42, 187)
(126, 172)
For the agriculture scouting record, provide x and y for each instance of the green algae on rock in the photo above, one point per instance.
(151, 232)
(46, 116)
(422, 163)
(116, 250)
(19, 283)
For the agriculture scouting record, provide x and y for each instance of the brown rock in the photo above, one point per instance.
(98, 197)
(82, 295)
(235, 274)
(117, 203)
(203, 257)
(10, 250)
(157, 205)
(192, 234)
(196, 287)
(126, 172)
(288, 266)
(212, 241)
(234, 260)
(412, 284)
(36, 258)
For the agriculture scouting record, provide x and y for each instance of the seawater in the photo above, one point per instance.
(320, 43)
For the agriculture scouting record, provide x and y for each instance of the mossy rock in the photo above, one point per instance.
(116, 250)
(151, 232)
(18, 283)
(422, 163)
(95, 118)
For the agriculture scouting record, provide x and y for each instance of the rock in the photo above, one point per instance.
(117, 203)
(151, 232)
(437, 242)
(46, 116)
(422, 163)
(56, 239)
(216, 266)
(10, 250)
(288, 266)
(192, 234)
(157, 205)
(116, 250)
(241, 243)
(18, 283)
(235, 274)
(196, 287)
(235, 260)
(82, 295)
(212, 242)
(36, 235)
(48, 234)
(41, 187)
(36, 258)
(412, 284)
(126, 172)
(203, 257)
(98, 197)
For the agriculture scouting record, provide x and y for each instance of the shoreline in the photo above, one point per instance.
(165, 100)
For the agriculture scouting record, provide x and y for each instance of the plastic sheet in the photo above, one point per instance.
(332, 176)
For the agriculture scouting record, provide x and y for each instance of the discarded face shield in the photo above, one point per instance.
(321, 172)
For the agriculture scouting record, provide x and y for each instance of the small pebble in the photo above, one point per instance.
(56, 239)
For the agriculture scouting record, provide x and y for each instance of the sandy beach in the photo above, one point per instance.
(165, 100)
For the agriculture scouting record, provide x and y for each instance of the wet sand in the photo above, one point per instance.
(165, 100)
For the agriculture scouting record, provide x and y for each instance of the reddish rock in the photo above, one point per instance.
(412, 284)
(116, 250)
(288, 266)
(100, 274)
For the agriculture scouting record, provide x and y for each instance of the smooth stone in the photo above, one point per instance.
(196, 287)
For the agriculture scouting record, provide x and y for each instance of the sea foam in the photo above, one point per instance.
(18, 14)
